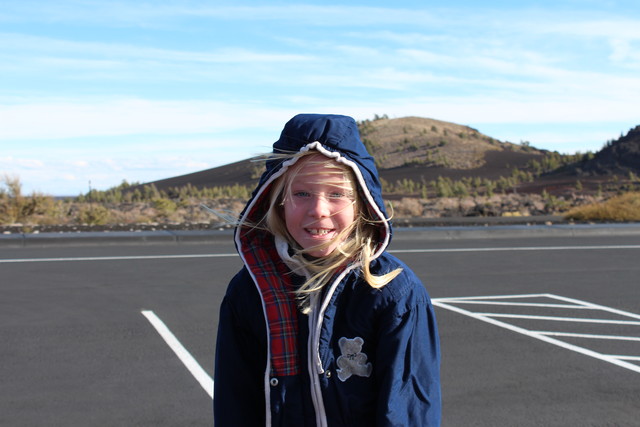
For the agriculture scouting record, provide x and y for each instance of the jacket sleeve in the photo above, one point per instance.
(239, 398)
(408, 363)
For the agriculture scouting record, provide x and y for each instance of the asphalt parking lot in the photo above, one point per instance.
(538, 327)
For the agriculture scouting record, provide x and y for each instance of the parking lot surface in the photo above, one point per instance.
(536, 329)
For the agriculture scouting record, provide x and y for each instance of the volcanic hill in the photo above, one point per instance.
(422, 150)
(619, 157)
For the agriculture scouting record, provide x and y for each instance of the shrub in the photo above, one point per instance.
(17, 208)
(93, 215)
(407, 207)
(443, 187)
(625, 207)
(164, 207)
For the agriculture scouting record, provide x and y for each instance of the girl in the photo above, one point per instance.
(322, 327)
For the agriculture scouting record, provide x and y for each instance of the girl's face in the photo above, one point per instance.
(319, 206)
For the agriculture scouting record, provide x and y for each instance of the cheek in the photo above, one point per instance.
(347, 216)
(288, 211)
(291, 215)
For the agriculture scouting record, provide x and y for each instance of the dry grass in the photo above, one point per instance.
(625, 207)
(110, 208)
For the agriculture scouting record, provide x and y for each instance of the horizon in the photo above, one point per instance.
(97, 93)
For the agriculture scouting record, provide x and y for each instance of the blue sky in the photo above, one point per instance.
(97, 92)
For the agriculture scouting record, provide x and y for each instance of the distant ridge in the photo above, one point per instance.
(231, 174)
(616, 158)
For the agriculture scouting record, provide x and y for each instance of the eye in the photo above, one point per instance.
(301, 193)
(340, 194)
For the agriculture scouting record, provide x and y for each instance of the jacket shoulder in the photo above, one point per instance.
(405, 291)
(242, 291)
(240, 283)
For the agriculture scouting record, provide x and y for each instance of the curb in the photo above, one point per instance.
(95, 238)
(421, 232)
(511, 231)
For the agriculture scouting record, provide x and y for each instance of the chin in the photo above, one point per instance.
(323, 252)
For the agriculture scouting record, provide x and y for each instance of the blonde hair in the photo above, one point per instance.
(358, 242)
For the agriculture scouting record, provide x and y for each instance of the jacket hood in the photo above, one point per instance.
(335, 136)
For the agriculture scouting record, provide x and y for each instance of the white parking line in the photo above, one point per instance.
(523, 304)
(619, 360)
(637, 358)
(398, 251)
(561, 319)
(116, 258)
(591, 336)
(518, 248)
(185, 357)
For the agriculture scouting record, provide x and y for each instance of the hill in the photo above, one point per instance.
(423, 149)
(412, 148)
(613, 169)
(242, 173)
(415, 141)
(620, 157)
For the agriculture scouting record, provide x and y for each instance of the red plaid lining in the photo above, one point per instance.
(275, 283)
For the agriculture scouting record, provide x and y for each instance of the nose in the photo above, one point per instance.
(318, 207)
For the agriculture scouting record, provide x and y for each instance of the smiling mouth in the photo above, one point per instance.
(319, 231)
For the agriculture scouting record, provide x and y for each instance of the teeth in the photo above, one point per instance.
(318, 231)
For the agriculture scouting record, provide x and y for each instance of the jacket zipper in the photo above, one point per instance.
(314, 362)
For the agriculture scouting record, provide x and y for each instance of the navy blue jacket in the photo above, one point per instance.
(361, 357)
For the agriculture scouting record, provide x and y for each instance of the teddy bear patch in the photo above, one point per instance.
(352, 361)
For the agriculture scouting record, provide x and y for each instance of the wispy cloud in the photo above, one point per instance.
(26, 163)
(108, 62)
(27, 45)
(73, 118)
(69, 171)
(156, 15)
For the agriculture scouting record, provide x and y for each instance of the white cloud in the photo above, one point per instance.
(22, 43)
(75, 118)
(495, 110)
(161, 15)
(52, 120)
(10, 162)
(59, 176)
(620, 27)
(80, 164)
